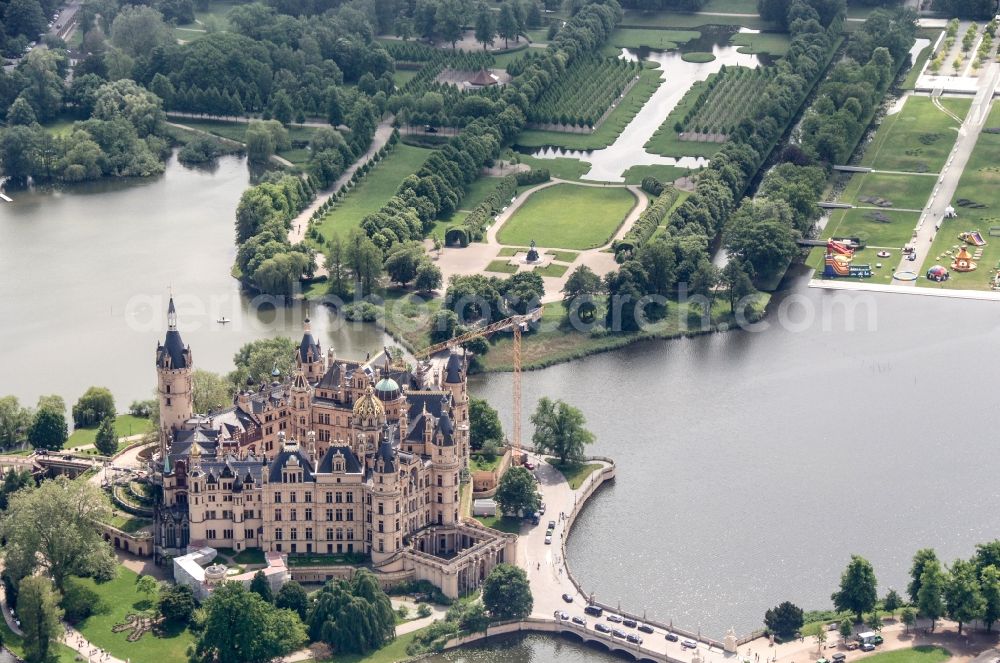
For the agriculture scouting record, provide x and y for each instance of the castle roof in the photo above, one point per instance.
(309, 349)
(351, 463)
(369, 406)
(290, 457)
(453, 372)
(172, 354)
(386, 456)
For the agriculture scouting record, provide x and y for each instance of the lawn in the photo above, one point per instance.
(731, 6)
(575, 473)
(237, 130)
(661, 40)
(921, 654)
(502, 523)
(567, 216)
(403, 76)
(980, 184)
(663, 19)
(14, 642)
(373, 191)
(61, 126)
(612, 126)
(635, 174)
(918, 138)
(118, 598)
(125, 425)
(772, 43)
(128, 523)
(551, 269)
(562, 168)
(501, 60)
(392, 653)
(477, 192)
(892, 234)
(501, 267)
(903, 191)
(911, 78)
(479, 464)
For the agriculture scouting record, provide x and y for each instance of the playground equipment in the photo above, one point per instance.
(963, 261)
(839, 262)
(973, 237)
(937, 273)
(949, 212)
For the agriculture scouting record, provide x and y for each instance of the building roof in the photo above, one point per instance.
(351, 463)
(309, 349)
(294, 457)
(172, 353)
(386, 456)
(369, 406)
(482, 78)
(453, 372)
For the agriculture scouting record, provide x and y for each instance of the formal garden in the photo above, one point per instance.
(585, 92)
(568, 216)
(918, 138)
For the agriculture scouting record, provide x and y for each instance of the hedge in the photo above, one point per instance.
(480, 218)
(536, 176)
(646, 224)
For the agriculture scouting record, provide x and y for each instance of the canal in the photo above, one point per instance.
(751, 464)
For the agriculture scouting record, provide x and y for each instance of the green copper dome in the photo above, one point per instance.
(386, 385)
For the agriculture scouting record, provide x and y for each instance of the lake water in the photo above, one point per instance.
(85, 274)
(750, 464)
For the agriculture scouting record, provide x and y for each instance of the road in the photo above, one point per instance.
(944, 191)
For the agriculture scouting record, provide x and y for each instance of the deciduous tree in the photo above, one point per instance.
(784, 619)
(517, 492)
(106, 439)
(930, 596)
(559, 430)
(240, 627)
(484, 423)
(857, 587)
(506, 592)
(40, 615)
(963, 596)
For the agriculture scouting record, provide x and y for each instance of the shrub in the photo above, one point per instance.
(361, 312)
(79, 602)
(534, 176)
(646, 224)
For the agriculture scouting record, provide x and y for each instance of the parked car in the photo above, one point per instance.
(867, 647)
(634, 639)
(579, 620)
(552, 524)
(528, 465)
(614, 619)
(645, 628)
(568, 598)
(851, 646)
(562, 615)
(618, 633)
(541, 509)
(822, 660)
(430, 129)
(877, 640)
(594, 610)
(839, 657)
(631, 623)
(689, 644)
(672, 637)
(602, 628)
(548, 539)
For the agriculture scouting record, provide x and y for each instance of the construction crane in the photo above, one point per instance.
(515, 323)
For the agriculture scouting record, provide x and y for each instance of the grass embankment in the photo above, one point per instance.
(502, 523)
(610, 129)
(373, 191)
(661, 40)
(910, 81)
(118, 598)
(772, 43)
(979, 188)
(15, 643)
(666, 141)
(393, 652)
(635, 174)
(920, 654)
(125, 425)
(568, 216)
(563, 168)
(663, 19)
(574, 473)
(128, 523)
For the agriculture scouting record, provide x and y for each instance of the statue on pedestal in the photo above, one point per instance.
(532, 253)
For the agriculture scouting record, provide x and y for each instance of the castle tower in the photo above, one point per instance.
(301, 404)
(309, 356)
(456, 382)
(387, 538)
(174, 366)
(368, 417)
(445, 462)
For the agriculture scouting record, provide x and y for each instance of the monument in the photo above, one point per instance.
(532, 253)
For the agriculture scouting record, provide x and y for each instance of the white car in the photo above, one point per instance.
(548, 539)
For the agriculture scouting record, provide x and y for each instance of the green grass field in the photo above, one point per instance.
(574, 473)
(911, 77)
(661, 40)
(477, 192)
(562, 168)
(373, 191)
(772, 43)
(568, 217)
(551, 269)
(119, 597)
(501, 267)
(918, 138)
(125, 424)
(635, 174)
(921, 654)
(609, 130)
(391, 653)
(903, 191)
(501, 60)
(403, 76)
(681, 21)
(731, 6)
(980, 183)
(892, 234)
(502, 523)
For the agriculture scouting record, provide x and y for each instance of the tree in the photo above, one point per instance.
(922, 557)
(40, 615)
(211, 391)
(240, 627)
(857, 587)
(484, 423)
(444, 324)
(428, 276)
(930, 596)
(52, 528)
(106, 440)
(762, 234)
(784, 619)
(559, 430)
(815, 630)
(403, 261)
(486, 27)
(21, 113)
(448, 21)
(580, 288)
(261, 587)
(517, 492)
(846, 629)
(352, 618)
(260, 143)
(176, 604)
(14, 422)
(507, 26)
(874, 621)
(963, 596)
(13, 481)
(990, 587)
(138, 30)
(257, 360)
(292, 597)
(19, 155)
(364, 260)
(506, 592)
(909, 617)
(892, 601)
(737, 281)
(48, 430)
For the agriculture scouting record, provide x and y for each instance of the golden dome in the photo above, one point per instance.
(369, 406)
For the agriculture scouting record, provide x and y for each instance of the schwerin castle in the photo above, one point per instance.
(357, 459)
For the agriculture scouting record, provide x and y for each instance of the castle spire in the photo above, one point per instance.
(171, 314)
